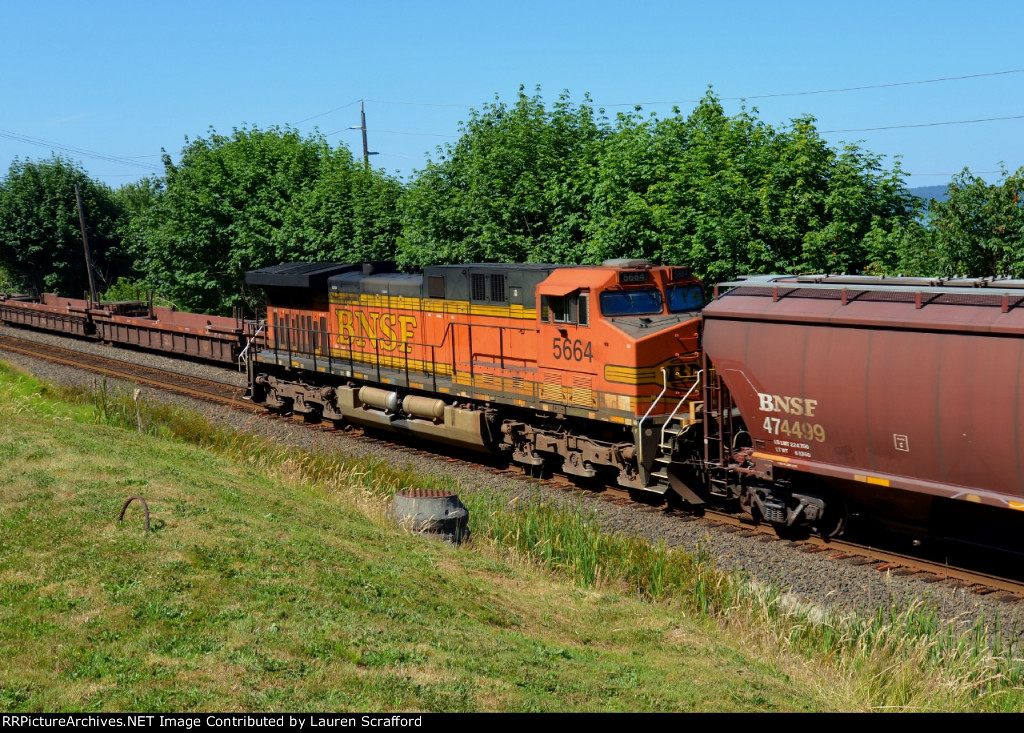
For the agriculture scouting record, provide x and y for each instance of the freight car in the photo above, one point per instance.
(898, 399)
(593, 370)
(131, 323)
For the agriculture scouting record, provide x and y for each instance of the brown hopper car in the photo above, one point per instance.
(897, 397)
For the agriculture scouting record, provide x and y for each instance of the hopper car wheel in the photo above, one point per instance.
(837, 514)
(797, 512)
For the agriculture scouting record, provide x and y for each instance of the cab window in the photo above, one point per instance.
(574, 308)
(631, 302)
(685, 298)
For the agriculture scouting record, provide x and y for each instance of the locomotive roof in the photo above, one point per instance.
(297, 274)
(498, 266)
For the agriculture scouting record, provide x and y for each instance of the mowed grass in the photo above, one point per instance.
(272, 581)
(255, 593)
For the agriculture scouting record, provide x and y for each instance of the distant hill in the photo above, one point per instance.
(929, 192)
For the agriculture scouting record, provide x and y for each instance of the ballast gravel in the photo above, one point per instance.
(813, 579)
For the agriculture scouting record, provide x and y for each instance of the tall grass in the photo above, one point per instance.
(895, 659)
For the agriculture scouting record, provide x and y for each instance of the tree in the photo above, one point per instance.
(40, 239)
(979, 229)
(349, 214)
(252, 199)
(733, 195)
(514, 188)
(724, 195)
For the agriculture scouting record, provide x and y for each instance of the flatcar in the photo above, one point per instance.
(131, 323)
(895, 399)
(593, 370)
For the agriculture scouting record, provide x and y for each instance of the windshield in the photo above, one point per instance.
(685, 298)
(630, 302)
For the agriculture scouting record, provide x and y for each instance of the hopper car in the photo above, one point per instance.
(131, 323)
(900, 400)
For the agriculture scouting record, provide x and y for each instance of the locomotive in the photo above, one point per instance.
(594, 370)
(801, 400)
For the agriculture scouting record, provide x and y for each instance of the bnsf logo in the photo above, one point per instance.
(386, 330)
(788, 405)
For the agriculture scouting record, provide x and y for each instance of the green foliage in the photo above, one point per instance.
(725, 195)
(525, 182)
(350, 214)
(124, 289)
(733, 195)
(40, 239)
(979, 229)
(514, 188)
(7, 285)
(253, 199)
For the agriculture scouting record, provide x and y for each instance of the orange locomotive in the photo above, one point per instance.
(590, 368)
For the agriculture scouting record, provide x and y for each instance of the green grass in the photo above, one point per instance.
(272, 581)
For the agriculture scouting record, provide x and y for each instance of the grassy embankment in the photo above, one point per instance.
(272, 581)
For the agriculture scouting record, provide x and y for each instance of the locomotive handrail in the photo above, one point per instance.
(302, 337)
(640, 423)
(671, 417)
(241, 354)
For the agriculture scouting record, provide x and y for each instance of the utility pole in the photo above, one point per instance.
(362, 126)
(85, 244)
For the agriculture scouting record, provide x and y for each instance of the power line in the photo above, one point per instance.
(973, 173)
(923, 124)
(423, 134)
(418, 104)
(336, 109)
(7, 134)
(823, 91)
(694, 101)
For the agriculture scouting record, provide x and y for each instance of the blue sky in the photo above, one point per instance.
(122, 80)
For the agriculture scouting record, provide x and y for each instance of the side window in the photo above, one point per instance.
(559, 309)
(573, 308)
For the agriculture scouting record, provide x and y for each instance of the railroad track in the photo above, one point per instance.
(230, 395)
(166, 380)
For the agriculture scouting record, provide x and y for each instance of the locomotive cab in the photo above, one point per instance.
(625, 337)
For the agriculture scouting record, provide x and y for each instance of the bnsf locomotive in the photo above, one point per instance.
(802, 400)
(594, 369)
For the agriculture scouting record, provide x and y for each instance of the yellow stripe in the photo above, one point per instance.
(771, 457)
(646, 374)
(433, 305)
(1018, 505)
(871, 480)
